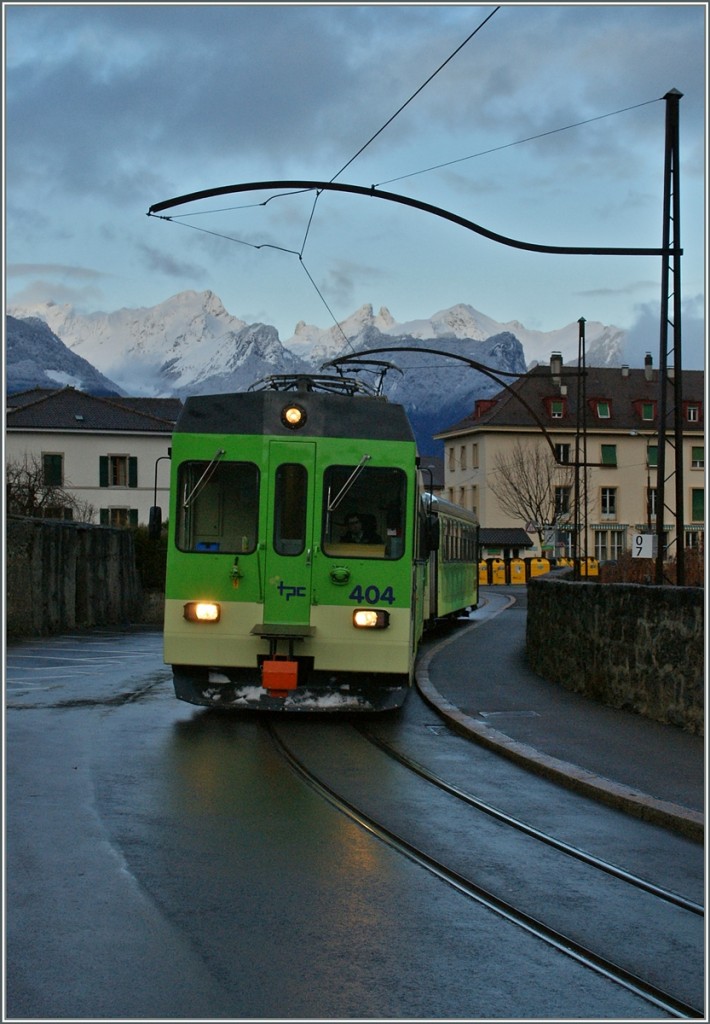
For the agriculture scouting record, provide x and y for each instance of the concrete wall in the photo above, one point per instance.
(626, 645)
(62, 576)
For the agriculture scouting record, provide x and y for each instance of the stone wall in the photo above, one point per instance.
(626, 645)
(62, 575)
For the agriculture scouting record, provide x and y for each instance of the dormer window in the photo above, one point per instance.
(556, 408)
(692, 412)
(645, 409)
(601, 407)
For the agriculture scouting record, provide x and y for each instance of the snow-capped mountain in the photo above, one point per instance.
(190, 344)
(604, 345)
(36, 357)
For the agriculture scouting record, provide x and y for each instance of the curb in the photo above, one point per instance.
(660, 812)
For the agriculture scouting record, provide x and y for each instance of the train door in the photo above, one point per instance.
(289, 533)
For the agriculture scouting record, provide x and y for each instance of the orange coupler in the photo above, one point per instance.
(278, 676)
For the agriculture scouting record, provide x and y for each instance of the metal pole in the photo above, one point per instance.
(670, 373)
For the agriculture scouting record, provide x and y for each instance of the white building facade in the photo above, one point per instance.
(613, 428)
(108, 453)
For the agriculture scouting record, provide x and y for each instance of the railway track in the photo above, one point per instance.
(352, 782)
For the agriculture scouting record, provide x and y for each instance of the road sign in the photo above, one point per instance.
(645, 545)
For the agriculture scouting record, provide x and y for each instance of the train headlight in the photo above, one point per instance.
(293, 416)
(371, 618)
(202, 611)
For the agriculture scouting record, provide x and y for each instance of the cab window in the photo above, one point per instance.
(217, 507)
(290, 505)
(364, 511)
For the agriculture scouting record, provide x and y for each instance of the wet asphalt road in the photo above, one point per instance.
(164, 862)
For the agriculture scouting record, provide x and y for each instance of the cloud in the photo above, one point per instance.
(59, 269)
(644, 335)
(39, 291)
(164, 263)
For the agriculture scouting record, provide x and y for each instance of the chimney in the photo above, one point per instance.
(625, 370)
(556, 364)
(648, 366)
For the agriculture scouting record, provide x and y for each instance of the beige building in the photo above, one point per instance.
(509, 439)
(106, 452)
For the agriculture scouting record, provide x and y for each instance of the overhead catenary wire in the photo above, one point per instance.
(391, 119)
(519, 142)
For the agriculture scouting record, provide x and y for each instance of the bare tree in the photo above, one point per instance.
(28, 494)
(532, 487)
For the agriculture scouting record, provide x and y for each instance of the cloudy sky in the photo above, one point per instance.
(113, 108)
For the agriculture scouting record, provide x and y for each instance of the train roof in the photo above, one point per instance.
(441, 505)
(326, 415)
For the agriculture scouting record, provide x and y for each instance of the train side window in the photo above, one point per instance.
(364, 512)
(290, 508)
(217, 507)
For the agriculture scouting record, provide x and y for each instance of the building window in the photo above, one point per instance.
(474, 456)
(118, 516)
(609, 454)
(118, 471)
(452, 460)
(562, 500)
(556, 408)
(698, 457)
(693, 413)
(608, 502)
(52, 469)
(698, 505)
(562, 453)
(602, 409)
(647, 411)
(462, 457)
(652, 456)
(693, 539)
(616, 543)
(601, 552)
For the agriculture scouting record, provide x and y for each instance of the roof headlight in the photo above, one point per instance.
(293, 416)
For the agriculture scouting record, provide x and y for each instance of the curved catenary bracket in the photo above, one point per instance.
(495, 375)
(393, 197)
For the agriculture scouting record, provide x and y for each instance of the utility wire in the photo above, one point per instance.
(508, 145)
(391, 119)
(414, 94)
(322, 298)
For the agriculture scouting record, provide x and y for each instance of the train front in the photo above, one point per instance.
(292, 568)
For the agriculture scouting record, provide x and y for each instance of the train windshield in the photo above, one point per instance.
(364, 511)
(217, 506)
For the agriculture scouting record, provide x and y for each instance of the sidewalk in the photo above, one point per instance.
(478, 679)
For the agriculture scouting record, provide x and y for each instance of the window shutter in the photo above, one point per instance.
(103, 516)
(132, 471)
(103, 472)
(133, 517)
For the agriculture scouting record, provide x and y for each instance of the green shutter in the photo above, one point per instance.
(609, 454)
(698, 512)
(103, 471)
(133, 517)
(132, 471)
(103, 516)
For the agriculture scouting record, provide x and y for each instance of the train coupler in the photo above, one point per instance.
(279, 676)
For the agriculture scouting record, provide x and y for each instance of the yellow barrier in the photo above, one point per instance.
(497, 571)
(539, 566)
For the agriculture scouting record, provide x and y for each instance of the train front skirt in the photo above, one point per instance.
(324, 691)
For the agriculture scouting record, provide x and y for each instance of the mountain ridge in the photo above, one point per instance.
(190, 344)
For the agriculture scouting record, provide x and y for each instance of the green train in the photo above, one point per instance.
(305, 555)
